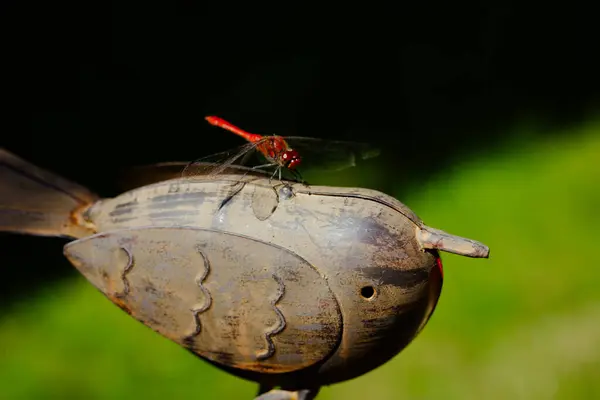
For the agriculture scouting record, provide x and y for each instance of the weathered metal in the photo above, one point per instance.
(284, 284)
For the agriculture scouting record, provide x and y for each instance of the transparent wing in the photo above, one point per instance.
(330, 155)
(237, 158)
(316, 154)
(142, 175)
(137, 176)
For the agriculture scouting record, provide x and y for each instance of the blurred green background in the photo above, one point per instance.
(487, 117)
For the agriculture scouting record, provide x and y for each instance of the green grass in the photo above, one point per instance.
(524, 324)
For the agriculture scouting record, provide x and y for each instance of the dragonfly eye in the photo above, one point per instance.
(292, 159)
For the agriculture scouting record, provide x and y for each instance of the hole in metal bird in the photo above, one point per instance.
(367, 292)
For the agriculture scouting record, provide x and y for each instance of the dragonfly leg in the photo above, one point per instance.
(243, 176)
(264, 166)
(274, 173)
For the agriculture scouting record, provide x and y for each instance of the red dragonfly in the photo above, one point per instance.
(284, 154)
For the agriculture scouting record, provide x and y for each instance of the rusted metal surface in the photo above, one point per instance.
(356, 238)
(237, 301)
(285, 284)
(431, 238)
(38, 202)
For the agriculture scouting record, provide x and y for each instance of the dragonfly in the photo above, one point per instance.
(284, 154)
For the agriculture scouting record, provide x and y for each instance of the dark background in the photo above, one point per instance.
(91, 88)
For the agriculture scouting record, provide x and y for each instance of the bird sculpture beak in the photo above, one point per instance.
(431, 238)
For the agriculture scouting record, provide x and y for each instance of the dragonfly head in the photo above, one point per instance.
(291, 159)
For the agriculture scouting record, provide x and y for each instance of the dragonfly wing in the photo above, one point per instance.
(232, 159)
(143, 175)
(329, 154)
